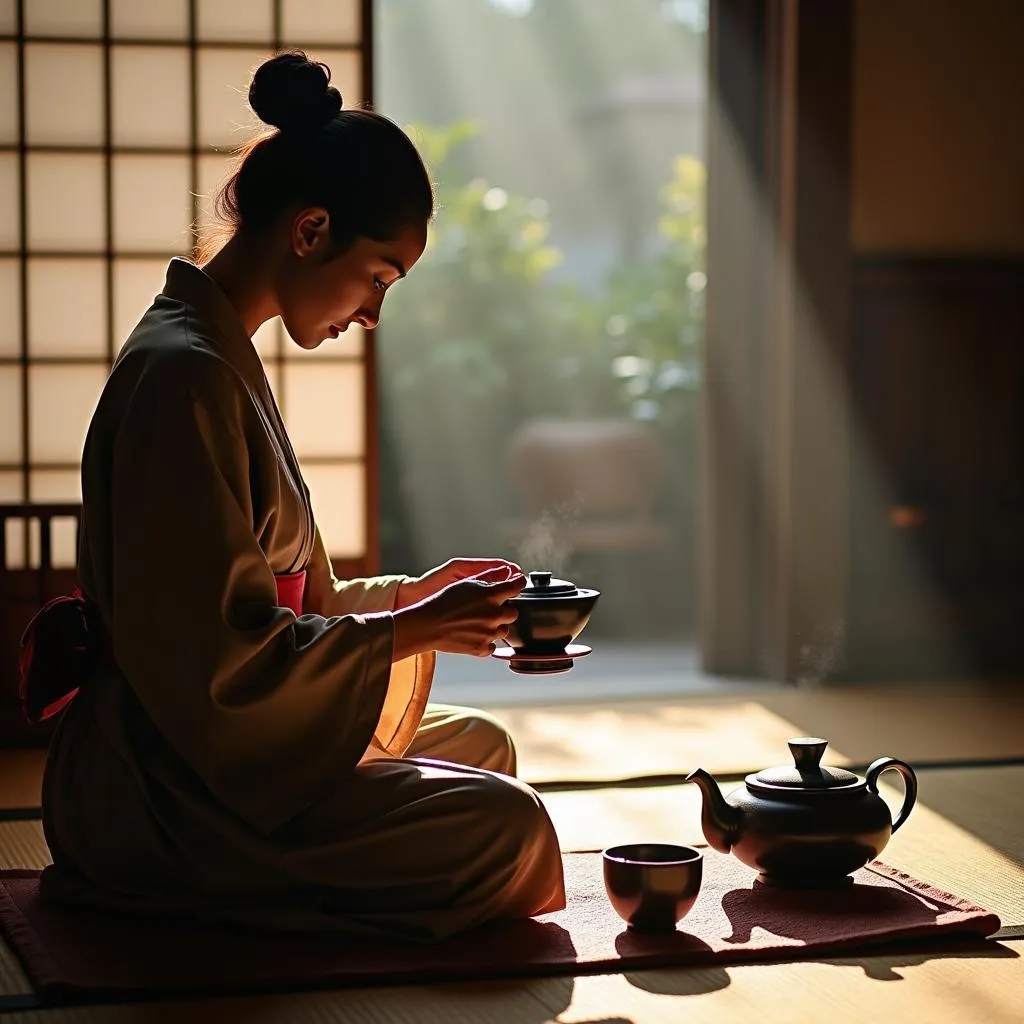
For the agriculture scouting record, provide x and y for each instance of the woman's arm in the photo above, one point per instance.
(270, 711)
(327, 595)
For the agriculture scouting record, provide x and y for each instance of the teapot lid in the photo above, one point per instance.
(542, 585)
(806, 772)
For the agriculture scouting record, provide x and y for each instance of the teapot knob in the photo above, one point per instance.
(807, 752)
(540, 579)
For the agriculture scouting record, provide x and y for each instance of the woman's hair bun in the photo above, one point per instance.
(291, 92)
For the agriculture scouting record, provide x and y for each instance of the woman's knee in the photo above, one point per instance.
(525, 849)
(470, 737)
(465, 736)
(516, 812)
(493, 742)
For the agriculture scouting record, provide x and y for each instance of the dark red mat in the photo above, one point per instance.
(72, 956)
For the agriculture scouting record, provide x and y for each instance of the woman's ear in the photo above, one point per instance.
(311, 231)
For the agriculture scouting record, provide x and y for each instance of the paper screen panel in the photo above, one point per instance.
(64, 17)
(67, 308)
(63, 94)
(11, 486)
(55, 486)
(152, 205)
(61, 400)
(236, 21)
(273, 372)
(66, 202)
(10, 308)
(149, 19)
(225, 119)
(324, 409)
(150, 96)
(10, 221)
(339, 504)
(10, 415)
(303, 21)
(8, 93)
(136, 285)
(214, 171)
(267, 339)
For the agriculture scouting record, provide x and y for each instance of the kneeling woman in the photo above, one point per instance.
(253, 742)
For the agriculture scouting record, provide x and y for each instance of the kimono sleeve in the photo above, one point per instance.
(411, 679)
(270, 711)
(327, 595)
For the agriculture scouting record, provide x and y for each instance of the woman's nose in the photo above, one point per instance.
(368, 315)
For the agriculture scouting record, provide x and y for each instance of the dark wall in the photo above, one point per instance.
(937, 524)
(937, 358)
(938, 151)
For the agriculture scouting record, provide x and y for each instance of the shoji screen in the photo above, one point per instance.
(117, 118)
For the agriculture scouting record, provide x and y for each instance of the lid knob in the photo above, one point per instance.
(807, 752)
(540, 579)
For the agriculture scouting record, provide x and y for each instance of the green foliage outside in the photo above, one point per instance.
(481, 337)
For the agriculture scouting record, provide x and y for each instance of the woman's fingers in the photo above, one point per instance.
(474, 615)
(506, 589)
(495, 574)
(507, 614)
(473, 568)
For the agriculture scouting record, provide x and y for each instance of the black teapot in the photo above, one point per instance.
(805, 825)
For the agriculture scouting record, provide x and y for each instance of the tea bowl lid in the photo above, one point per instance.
(543, 584)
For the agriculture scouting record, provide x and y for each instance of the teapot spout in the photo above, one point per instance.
(719, 819)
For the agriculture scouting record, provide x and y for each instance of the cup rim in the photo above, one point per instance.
(617, 855)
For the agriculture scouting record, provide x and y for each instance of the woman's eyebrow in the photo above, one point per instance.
(396, 264)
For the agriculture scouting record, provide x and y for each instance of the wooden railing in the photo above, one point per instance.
(28, 579)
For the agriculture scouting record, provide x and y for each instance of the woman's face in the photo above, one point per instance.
(322, 292)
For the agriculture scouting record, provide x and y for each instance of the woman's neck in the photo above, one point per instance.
(244, 274)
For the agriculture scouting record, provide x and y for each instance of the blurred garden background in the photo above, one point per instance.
(540, 370)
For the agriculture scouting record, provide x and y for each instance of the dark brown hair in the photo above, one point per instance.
(357, 164)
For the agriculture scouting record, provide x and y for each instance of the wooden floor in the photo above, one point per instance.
(606, 742)
(921, 723)
(967, 836)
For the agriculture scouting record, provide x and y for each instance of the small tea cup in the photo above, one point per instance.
(652, 886)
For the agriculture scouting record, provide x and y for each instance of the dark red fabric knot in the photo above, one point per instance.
(66, 641)
(61, 647)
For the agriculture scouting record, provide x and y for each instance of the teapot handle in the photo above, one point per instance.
(884, 764)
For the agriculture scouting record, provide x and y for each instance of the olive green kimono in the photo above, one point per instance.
(240, 762)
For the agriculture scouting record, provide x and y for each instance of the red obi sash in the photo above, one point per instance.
(66, 642)
(291, 589)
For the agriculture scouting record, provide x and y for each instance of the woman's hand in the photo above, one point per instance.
(455, 569)
(468, 616)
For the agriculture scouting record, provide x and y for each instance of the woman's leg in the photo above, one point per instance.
(464, 736)
(412, 848)
(425, 849)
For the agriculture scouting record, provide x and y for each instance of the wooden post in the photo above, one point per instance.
(775, 533)
(728, 556)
